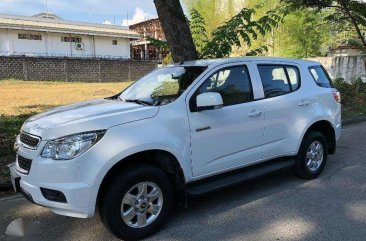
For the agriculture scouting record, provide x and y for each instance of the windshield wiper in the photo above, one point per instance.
(137, 101)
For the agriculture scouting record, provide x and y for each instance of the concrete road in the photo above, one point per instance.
(276, 207)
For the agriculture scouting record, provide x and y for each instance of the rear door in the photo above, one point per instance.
(230, 137)
(281, 103)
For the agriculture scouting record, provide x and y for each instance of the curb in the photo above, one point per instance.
(354, 120)
(10, 197)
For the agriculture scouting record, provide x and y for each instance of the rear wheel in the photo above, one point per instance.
(312, 156)
(137, 203)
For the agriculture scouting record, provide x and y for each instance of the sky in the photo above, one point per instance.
(96, 11)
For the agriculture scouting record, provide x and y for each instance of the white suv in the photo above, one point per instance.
(185, 129)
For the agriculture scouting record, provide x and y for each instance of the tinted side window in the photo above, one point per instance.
(321, 76)
(279, 79)
(274, 80)
(232, 83)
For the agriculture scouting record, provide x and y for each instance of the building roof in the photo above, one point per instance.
(37, 23)
(143, 23)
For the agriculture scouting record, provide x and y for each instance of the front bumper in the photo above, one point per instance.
(76, 195)
(61, 176)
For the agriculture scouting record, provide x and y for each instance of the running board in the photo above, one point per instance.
(227, 179)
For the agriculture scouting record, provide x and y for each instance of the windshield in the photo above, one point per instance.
(161, 86)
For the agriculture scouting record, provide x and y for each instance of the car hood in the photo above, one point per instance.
(86, 116)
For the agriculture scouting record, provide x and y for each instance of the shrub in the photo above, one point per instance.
(353, 96)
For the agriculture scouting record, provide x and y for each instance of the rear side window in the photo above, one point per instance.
(279, 79)
(321, 76)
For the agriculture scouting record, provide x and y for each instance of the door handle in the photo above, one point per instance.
(305, 103)
(254, 113)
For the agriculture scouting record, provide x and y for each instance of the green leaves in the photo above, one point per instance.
(198, 30)
(238, 31)
(303, 34)
(161, 45)
(344, 12)
(257, 51)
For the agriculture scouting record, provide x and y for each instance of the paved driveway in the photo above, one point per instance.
(276, 207)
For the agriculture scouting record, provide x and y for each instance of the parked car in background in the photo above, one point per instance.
(185, 129)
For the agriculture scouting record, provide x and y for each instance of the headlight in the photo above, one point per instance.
(69, 147)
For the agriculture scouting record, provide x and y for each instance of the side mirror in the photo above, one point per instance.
(209, 101)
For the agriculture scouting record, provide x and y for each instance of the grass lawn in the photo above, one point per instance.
(22, 99)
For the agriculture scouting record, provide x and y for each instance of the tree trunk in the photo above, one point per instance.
(363, 41)
(348, 12)
(176, 30)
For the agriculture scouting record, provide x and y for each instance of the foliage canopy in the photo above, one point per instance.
(344, 12)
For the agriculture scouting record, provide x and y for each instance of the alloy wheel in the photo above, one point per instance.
(314, 156)
(142, 204)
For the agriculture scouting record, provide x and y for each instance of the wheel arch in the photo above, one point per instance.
(156, 157)
(326, 128)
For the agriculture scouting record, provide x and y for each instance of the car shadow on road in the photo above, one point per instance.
(276, 207)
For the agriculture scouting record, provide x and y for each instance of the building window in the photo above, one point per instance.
(114, 42)
(71, 39)
(30, 36)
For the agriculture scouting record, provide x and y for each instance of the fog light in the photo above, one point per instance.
(53, 195)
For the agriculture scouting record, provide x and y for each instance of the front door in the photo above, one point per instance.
(223, 139)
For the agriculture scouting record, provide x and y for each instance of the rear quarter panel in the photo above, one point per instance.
(322, 107)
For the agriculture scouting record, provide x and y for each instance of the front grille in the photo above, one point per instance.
(24, 164)
(29, 141)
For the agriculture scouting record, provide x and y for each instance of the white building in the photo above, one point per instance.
(46, 34)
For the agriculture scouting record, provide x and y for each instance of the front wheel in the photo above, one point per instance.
(137, 203)
(312, 156)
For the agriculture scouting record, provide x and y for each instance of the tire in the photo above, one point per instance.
(305, 168)
(115, 202)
